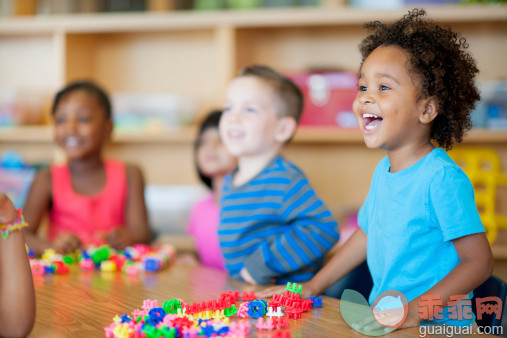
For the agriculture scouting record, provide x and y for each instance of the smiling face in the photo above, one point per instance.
(250, 125)
(212, 157)
(388, 106)
(81, 126)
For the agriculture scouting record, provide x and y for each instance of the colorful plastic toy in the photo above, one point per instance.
(107, 266)
(482, 167)
(211, 318)
(131, 261)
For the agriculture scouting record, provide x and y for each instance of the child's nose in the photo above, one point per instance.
(71, 125)
(234, 116)
(366, 98)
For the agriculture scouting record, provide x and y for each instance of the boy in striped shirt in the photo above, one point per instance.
(273, 227)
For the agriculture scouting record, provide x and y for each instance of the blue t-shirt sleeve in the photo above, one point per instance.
(452, 204)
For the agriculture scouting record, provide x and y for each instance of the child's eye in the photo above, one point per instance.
(362, 88)
(60, 120)
(84, 119)
(384, 88)
(250, 110)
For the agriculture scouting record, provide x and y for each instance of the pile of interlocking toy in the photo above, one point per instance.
(131, 261)
(214, 318)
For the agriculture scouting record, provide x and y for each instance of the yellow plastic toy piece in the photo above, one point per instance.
(48, 254)
(482, 167)
(107, 266)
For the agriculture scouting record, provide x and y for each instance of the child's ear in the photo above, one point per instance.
(429, 110)
(285, 129)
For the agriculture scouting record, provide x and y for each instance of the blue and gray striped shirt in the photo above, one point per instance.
(275, 225)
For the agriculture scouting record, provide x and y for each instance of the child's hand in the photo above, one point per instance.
(413, 317)
(246, 276)
(8, 213)
(306, 290)
(66, 243)
(119, 238)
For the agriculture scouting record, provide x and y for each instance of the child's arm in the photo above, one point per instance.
(17, 299)
(308, 233)
(476, 265)
(36, 205)
(345, 260)
(136, 221)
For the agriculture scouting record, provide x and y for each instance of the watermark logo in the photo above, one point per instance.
(390, 309)
(387, 313)
(483, 305)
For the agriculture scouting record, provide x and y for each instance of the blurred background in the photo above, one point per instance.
(166, 63)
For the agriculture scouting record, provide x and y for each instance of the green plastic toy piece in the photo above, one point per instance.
(293, 287)
(101, 254)
(151, 332)
(167, 332)
(68, 259)
(230, 311)
(172, 306)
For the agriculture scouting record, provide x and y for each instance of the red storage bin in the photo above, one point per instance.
(328, 98)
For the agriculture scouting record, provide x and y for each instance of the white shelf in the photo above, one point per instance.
(281, 17)
(305, 134)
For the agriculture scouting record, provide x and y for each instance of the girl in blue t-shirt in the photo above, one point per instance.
(419, 220)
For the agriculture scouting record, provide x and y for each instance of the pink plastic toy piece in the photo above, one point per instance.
(191, 331)
(149, 304)
(109, 330)
(265, 325)
(37, 269)
(142, 249)
(243, 310)
(87, 264)
(132, 270)
(240, 328)
(137, 313)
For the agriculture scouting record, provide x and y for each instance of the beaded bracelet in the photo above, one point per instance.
(6, 229)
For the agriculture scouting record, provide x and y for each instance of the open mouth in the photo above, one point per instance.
(235, 134)
(371, 121)
(73, 141)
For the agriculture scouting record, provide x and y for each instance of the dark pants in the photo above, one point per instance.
(358, 279)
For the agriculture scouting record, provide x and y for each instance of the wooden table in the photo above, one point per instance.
(81, 304)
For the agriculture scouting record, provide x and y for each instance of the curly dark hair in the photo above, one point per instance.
(91, 88)
(438, 57)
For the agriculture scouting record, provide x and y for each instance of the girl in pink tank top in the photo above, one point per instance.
(213, 162)
(89, 200)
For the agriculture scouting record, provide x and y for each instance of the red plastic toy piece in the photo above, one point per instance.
(61, 268)
(227, 299)
(293, 312)
(283, 322)
(281, 334)
(248, 297)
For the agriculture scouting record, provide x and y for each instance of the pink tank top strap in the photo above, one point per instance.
(88, 217)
